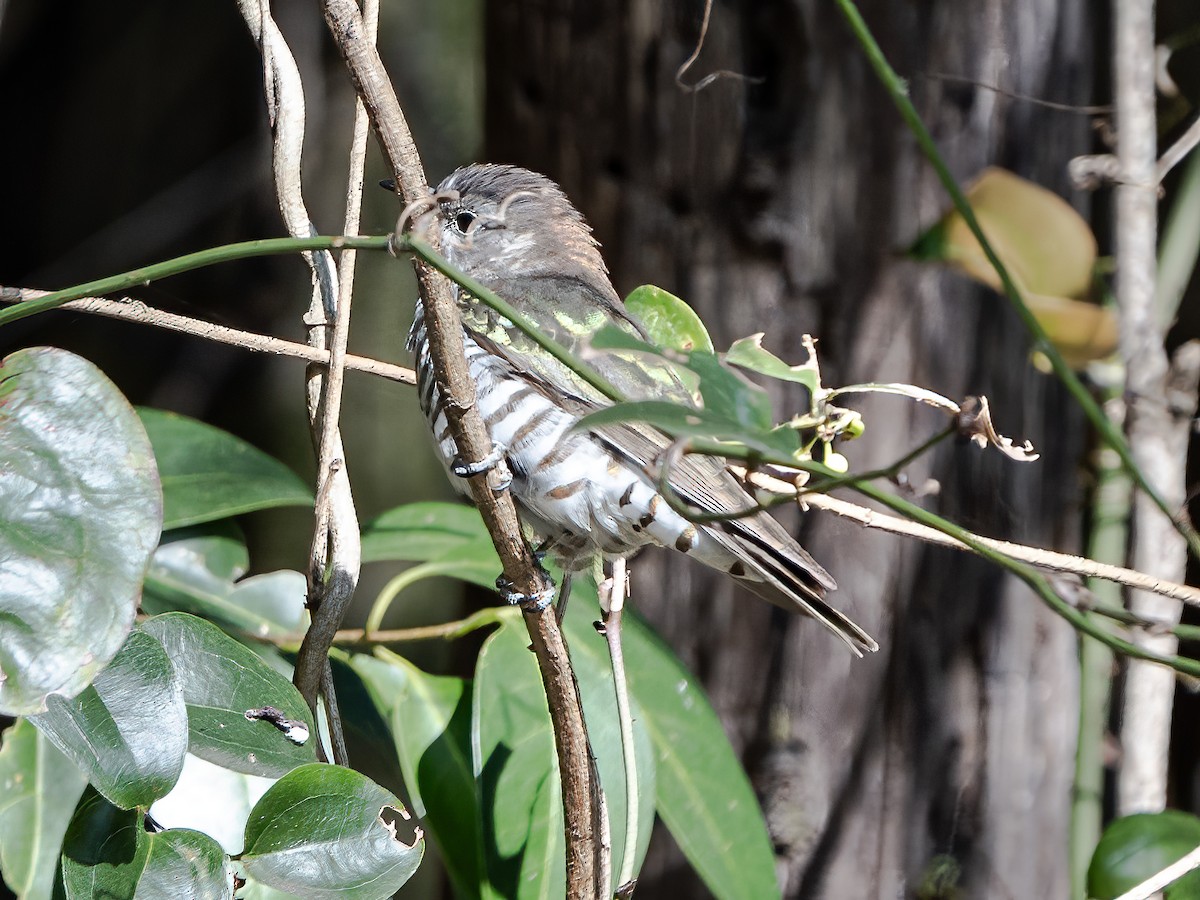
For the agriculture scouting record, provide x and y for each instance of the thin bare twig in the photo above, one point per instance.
(129, 310)
(1177, 151)
(1024, 98)
(1043, 559)
(336, 558)
(580, 783)
(712, 76)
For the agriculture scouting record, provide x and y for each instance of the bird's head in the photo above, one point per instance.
(510, 223)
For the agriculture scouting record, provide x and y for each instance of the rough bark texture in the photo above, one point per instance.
(779, 206)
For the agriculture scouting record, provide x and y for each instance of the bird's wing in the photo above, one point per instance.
(779, 569)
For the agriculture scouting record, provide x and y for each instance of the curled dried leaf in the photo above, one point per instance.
(975, 421)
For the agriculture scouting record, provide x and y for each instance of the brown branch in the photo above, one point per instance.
(129, 310)
(580, 785)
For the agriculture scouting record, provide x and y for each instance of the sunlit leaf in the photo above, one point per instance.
(669, 322)
(222, 682)
(1046, 245)
(193, 572)
(1048, 249)
(39, 788)
(80, 510)
(702, 792)
(749, 353)
(516, 765)
(127, 731)
(209, 474)
(430, 721)
(1081, 331)
(323, 831)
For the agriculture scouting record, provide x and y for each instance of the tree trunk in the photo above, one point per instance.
(778, 202)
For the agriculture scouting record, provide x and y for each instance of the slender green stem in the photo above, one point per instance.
(898, 90)
(147, 274)
(494, 301)
(444, 631)
(1108, 541)
(1027, 573)
(405, 579)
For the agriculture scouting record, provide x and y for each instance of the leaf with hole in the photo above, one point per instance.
(127, 731)
(80, 511)
(323, 831)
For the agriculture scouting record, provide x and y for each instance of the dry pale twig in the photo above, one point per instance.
(336, 555)
(1158, 429)
(612, 602)
(1044, 559)
(129, 310)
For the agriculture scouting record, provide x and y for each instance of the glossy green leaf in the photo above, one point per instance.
(669, 322)
(209, 474)
(193, 572)
(430, 721)
(516, 766)
(418, 532)
(702, 792)
(80, 510)
(1135, 847)
(220, 546)
(109, 853)
(749, 353)
(327, 832)
(593, 671)
(128, 730)
(39, 788)
(222, 681)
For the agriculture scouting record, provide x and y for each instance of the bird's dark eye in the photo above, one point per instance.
(464, 220)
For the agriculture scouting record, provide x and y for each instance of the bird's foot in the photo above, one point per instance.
(492, 463)
(535, 602)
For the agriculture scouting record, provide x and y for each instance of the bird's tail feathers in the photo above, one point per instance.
(787, 582)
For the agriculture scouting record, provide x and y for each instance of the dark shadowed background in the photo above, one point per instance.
(780, 202)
